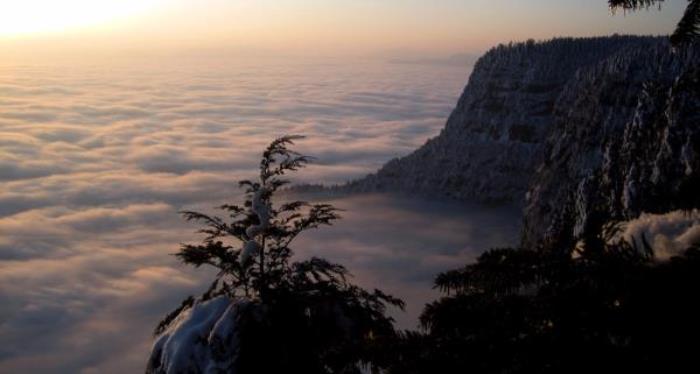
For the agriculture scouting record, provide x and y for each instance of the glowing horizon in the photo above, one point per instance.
(33, 27)
(32, 17)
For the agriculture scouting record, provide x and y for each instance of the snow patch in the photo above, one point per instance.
(202, 339)
(261, 208)
(669, 234)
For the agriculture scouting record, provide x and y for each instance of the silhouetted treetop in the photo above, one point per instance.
(286, 316)
(688, 28)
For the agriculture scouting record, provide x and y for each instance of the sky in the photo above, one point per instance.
(306, 27)
(96, 160)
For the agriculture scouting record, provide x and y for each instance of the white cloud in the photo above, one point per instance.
(95, 161)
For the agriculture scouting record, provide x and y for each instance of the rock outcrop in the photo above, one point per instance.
(201, 337)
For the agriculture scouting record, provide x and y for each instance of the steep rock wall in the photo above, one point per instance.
(493, 140)
(626, 140)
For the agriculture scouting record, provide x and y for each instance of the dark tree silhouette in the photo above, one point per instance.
(306, 316)
(257, 261)
(604, 306)
(688, 28)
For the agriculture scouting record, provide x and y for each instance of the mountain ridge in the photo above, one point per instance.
(499, 123)
(540, 124)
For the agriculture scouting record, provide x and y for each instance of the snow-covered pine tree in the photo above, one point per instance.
(265, 313)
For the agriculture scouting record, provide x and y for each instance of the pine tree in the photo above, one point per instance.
(258, 260)
(606, 306)
(307, 316)
(688, 28)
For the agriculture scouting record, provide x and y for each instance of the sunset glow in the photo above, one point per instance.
(43, 16)
(349, 186)
(47, 29)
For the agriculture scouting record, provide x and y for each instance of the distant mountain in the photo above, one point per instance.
(462, 59)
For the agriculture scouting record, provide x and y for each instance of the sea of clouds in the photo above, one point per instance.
(96, 160)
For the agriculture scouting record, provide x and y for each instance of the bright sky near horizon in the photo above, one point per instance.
(301, 26)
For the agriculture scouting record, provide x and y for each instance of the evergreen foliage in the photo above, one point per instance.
(602, 306)
(304, 316)
(688, 28)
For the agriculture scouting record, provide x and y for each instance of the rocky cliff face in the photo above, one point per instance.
(626, 140)
(493, 140)
(595, 128)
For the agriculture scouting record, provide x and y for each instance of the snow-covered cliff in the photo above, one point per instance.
(573, 128)
(493, 140)
(626, 140)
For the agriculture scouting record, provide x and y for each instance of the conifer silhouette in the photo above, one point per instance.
(688, 28)
(299, 316)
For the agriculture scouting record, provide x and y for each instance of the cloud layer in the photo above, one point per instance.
(95, 161)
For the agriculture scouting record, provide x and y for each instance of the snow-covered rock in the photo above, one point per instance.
(202, 338)
(668, 234)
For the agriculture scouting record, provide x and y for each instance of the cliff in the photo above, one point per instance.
(573, 129)
(626, 140)
(494, 139)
